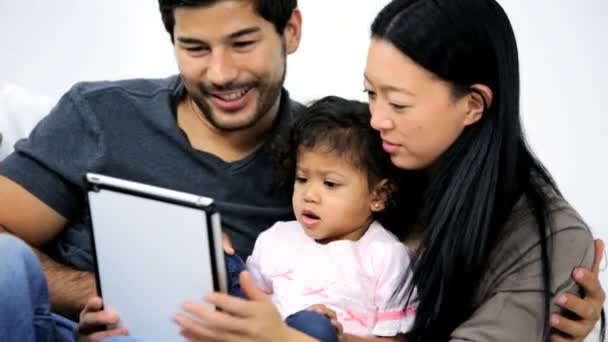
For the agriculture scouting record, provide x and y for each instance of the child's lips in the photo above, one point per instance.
(309, 218)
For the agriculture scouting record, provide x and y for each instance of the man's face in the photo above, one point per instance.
(232, 61)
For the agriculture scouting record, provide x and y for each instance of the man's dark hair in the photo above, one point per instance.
(277, 12)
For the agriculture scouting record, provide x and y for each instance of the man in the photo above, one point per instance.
(208, 132)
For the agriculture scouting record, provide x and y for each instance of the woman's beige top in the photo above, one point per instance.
(510, 299)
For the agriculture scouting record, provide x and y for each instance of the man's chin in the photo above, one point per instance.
(230, 124)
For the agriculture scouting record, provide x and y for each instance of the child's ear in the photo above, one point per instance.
(381, 195)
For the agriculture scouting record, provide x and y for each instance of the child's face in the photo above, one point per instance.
(331, 198)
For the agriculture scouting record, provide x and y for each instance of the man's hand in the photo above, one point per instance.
(95, 322)
(588, 308)
(256, 319)
(227, 244)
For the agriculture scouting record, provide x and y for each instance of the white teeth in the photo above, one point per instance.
(232, 96)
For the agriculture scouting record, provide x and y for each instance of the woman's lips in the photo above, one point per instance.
(389, 147)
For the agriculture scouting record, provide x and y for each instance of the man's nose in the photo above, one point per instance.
(222, 70)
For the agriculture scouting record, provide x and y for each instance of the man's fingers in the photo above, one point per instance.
(227, 244)
(197, 331)
(94, 321)
(215, 319)
(251, 289)
(99, 336)
(576, 329)
(233, 305)
(93, 304)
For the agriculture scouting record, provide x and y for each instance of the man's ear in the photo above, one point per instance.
(293, 31)
(381, 195)
(479, 101)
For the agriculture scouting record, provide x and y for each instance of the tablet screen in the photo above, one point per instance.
(152, 255)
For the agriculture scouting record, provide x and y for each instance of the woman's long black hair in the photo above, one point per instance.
(473, 187)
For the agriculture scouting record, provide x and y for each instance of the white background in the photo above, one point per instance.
(49, 45)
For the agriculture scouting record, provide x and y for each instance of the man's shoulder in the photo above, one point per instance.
(139, 87)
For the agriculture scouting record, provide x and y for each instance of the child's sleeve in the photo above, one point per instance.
(394, 314)
(255, 262)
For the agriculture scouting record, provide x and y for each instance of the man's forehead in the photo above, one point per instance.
(220, 20)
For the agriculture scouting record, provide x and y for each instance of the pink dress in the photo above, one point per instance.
(363, 281)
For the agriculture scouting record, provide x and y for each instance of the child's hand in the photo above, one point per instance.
(331, 314)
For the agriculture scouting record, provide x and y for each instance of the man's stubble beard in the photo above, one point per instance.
(268, 95)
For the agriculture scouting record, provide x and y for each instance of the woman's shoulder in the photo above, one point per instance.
(517, 253)
(562, 222)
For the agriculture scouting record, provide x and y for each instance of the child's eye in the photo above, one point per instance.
(330, 184)
(300, 179)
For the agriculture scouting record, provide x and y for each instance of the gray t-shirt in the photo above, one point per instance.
(128, 129)
(510, 300)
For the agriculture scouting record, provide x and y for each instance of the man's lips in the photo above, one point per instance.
(230, 100)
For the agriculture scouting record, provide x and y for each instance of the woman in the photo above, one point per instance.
(495, 241)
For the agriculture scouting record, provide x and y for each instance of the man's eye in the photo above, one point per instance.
(196, 48)
(243, 44)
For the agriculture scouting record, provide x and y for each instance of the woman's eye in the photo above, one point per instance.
(398, 106)
(300, 179)
(369, 93)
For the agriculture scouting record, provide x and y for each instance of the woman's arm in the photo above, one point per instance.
(511, 294)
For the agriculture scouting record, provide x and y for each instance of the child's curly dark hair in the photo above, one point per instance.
(336, 125)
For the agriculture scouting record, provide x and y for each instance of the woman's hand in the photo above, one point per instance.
(256, 319)
(94, 322)
(588, 308)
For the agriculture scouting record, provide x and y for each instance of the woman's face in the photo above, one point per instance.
(415, 112)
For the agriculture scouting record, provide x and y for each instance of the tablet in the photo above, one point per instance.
(154, 249)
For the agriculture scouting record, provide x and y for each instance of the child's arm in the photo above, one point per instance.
(395, 313)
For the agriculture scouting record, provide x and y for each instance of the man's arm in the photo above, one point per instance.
(25, 216)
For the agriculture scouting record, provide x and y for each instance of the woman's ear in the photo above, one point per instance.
(293, 31)
(479, 100)
(381, 195)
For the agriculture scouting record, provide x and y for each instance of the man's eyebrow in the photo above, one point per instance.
(244, 32)
(234, 35)
(187, 40)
